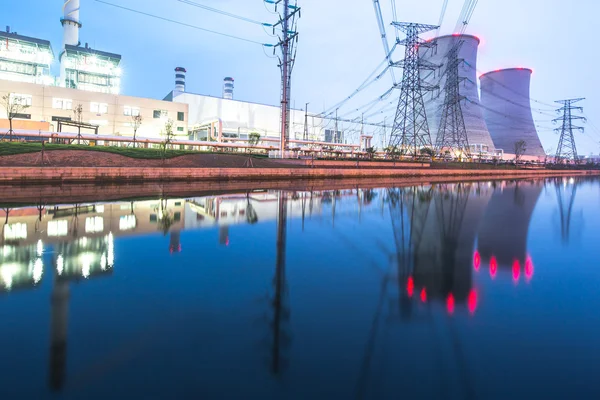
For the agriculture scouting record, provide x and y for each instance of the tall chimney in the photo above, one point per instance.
(228, 88)
(180, 79)
(71, 26)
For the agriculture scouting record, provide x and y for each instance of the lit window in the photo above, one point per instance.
(94, 224)
(62, 104)
(131, 111)
(99, 108)
(22, 99)
(160, 114)
(58, 228)
(127, 222)
(180, 129)
(15, 231)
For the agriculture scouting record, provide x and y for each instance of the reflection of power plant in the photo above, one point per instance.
(503, 234)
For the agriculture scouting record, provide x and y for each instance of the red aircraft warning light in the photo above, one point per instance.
(472, 301)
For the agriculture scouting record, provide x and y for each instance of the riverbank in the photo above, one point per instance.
(91, 192)
(63, 175)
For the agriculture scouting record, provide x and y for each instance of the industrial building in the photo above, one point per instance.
(507, 110)
(436, 53)
(221, 118)
(25, 59)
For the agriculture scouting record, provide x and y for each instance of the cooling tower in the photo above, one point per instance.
(434, 100)
(507, 110)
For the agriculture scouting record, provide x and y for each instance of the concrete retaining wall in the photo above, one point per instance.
(25, 175)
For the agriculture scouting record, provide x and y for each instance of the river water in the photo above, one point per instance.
(484, 290)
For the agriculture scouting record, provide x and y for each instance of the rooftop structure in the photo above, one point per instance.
(25, 59)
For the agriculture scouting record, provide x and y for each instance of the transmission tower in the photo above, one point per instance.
(288, 38)
(452, 133)
(410, 131)
(566, 144)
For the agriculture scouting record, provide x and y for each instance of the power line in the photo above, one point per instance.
(225, 13)
(182, 23)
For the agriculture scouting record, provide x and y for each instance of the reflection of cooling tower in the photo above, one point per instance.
(503, 233)
(443, 261)
(507, 110)
(476, 128)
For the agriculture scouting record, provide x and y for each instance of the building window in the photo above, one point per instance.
(22, 99)
(131, 111)
(62, 104)
(99, 108)
(94, 224)
(58, 228)
(15, 231)
(180, 116)
(160, 114)
(180, 129)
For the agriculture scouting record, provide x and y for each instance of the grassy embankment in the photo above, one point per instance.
(13, 148)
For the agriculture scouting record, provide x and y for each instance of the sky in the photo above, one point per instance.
(339, 47)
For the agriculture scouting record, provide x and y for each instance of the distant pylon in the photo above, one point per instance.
(452, 133)
(410, 131)
(566, 144)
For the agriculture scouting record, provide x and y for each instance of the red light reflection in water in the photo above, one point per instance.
(476, 260)
(528, 269)
(516, 270)
(423, 295)
(450, 303)
(472, 301)
(493, 266)
(410, 286)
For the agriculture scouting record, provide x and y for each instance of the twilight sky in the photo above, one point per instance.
(339, 47)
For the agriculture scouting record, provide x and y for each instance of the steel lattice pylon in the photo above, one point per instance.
(410, 131)
(566, 144)
(452, 134)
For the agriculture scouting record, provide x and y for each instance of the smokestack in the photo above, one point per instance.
(70, 23)
(228, 88)
(180, 79)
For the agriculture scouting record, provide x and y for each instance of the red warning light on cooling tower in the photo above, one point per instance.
(516, 270)
(476, 260)
(528, 269)
(472, 301)
(493, 266)
(450, 303)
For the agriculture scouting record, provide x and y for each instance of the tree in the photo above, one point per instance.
(253, 138)
(520, 148)
(393, 152)
(78, 114)
(426, 151)
(13, 105)
(136, 121)
(168, 134)
(371, 152)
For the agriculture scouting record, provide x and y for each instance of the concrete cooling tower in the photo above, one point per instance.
(507, 110)
(477, 131)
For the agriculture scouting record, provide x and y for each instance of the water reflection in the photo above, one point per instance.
(445, 238)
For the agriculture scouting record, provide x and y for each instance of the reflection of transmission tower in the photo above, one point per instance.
(411, 131)
(450, 206)
(565, 208)
(281, 312)
(452, 133)
(409, 208)
(566, 144)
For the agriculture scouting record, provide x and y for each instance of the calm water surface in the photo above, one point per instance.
(486, 290)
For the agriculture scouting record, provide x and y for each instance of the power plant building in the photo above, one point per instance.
(507, 110)
(436, 53)
(25, 59)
